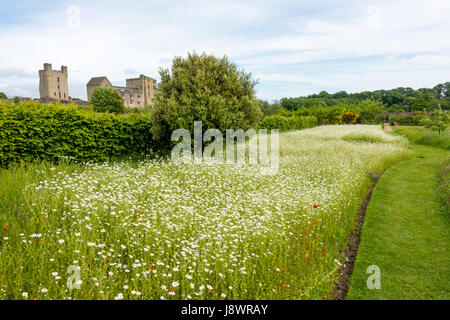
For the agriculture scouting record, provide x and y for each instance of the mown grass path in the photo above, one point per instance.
(405, 233)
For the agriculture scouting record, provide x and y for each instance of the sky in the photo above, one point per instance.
(293, 48)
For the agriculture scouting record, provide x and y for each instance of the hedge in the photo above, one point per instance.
(30, 131)
(288, 123)
(415, 120)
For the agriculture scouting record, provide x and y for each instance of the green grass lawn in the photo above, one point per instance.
(424, 136)
(405, 233)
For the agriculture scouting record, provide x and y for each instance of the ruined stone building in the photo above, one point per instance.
(138, 93)
(53, 84)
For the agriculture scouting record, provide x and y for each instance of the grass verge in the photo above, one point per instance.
(405, 233)
(424, 136)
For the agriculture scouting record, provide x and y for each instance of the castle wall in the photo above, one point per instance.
(53, 84)
(104, 84)
(147, 86)
(138, 93)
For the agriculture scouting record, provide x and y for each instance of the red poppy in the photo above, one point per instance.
(315, 206)
(5, 228)
(323, 250)
(35, 240)
(44, 217)
(34, 298)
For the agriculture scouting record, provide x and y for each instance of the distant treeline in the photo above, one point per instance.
(395, 100)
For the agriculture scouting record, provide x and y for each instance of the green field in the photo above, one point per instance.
(405, 232)
(156, 230)
(424, 136)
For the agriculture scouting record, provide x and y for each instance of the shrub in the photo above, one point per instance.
(415, 120)
(29, 131)
(371, 111)
(207, 89)
(438, 120)
(106, 100)
(330, 115)
(288, 123)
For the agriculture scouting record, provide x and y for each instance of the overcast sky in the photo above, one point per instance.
(293, 47)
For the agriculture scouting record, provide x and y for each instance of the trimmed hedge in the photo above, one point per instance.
(288, 123)
(30, 131)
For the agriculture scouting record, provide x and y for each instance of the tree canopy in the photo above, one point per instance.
(438, 120)
(204, 88)
(106, 100)
(395, 100)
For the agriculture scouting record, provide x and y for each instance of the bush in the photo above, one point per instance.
(371, 111)
(30, 131)
(330, 115)
(288, 123)
(106, 100)
(207, 89)
(415, 120)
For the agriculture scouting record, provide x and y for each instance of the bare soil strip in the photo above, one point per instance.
(346, 271)
(387, 127)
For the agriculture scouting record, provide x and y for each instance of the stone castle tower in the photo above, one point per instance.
(53, 84)
(138, 93)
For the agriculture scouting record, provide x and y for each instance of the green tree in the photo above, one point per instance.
(371, 111)
(268, 108)
(425, 101)
(438, 120)
(3, 96)
(204, 88)
(106, 100)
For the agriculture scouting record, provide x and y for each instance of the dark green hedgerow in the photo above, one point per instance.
(30, 131)
(288, 123)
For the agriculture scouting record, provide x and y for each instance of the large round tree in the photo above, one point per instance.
(204, 88)
(106, 100)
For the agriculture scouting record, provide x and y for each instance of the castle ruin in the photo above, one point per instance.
(138, 92)
(53, 84)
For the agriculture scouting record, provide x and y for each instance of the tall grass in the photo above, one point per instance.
(156, 230)
(424, 136)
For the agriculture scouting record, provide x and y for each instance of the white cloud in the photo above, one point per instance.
(428, 60)
(265, 37)
(16, 72)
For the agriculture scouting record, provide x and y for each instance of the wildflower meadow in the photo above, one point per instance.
(152, 229)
